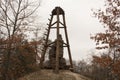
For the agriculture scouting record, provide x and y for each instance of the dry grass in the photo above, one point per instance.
(49, 75)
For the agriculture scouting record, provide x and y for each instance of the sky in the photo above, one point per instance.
(80, 23)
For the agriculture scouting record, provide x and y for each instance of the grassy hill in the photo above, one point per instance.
(49, 75)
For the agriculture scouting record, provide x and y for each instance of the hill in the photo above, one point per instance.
(49, 75)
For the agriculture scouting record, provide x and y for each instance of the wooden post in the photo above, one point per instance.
(68, 47)
(46, 43)
(57, 45)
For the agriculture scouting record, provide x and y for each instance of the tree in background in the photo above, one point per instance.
(83, 68)
(15, 18)
(22, 59)
(110, 39)
(100, 69)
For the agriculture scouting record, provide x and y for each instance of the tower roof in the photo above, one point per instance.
(54, 12)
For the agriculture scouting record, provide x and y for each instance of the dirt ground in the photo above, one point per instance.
(49, 75)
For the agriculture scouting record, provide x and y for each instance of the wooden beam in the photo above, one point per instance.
(57, 49)
(45, 46)
(66, 35)
(56, 27)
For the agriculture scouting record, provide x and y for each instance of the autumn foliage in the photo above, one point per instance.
(22, 59)
(109, 39)
(16, 52)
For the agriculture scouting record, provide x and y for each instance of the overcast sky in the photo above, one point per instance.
(80, 23)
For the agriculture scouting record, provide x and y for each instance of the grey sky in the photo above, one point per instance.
(80, 23)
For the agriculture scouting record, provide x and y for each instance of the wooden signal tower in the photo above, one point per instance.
(56, 13)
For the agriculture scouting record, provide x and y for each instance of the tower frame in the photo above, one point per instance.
(57, 12)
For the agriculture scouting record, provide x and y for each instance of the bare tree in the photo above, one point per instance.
(14, 18)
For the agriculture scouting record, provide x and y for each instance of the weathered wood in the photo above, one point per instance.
(57, 61)
(46, 42)
(70, 58)
(57, 45)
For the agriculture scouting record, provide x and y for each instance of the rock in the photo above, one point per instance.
(52, 55)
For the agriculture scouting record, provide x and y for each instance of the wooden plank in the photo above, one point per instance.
(66, 35)
(57, 49)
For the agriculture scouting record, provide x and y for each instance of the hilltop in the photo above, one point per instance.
(49, 75)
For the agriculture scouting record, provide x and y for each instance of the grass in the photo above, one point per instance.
(49, 75)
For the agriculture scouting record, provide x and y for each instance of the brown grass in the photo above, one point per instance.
(49, 75)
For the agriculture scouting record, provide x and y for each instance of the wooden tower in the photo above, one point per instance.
(56, 13)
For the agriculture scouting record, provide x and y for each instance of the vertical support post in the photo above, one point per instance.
(45, 45)
(57, 48)
(68, 46)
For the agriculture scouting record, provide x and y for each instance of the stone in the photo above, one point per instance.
(52, 55)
